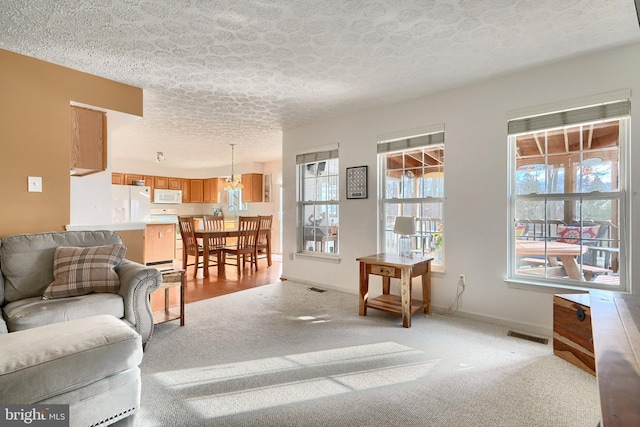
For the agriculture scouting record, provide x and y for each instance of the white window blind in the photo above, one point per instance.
(576, 116)
(409, 143)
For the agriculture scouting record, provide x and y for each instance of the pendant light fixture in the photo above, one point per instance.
(233, 183)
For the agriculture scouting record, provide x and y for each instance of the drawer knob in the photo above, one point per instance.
(580, 313)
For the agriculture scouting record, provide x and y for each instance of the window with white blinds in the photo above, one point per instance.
(411, 184)
(568, 207)
(318, 204)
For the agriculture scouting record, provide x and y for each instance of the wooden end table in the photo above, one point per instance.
(395, 266)
(170, 279)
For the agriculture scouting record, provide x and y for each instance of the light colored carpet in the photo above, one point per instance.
(283, 355)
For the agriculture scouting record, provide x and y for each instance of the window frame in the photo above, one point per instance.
(581, 116)
(330, 205)
(430, 230)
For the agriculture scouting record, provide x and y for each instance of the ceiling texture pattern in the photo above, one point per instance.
(216, 72)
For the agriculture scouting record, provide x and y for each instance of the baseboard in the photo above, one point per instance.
(315, 284)
(529, 328)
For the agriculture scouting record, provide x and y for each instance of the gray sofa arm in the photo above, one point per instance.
(137, 281)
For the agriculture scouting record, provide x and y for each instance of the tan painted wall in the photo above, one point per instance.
(35, 136)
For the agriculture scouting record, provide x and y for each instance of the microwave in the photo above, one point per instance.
(167, 196)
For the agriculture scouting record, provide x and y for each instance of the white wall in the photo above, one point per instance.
(90, 200)
(475, 119)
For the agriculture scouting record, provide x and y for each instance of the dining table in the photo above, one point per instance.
(552, 250)
(205, 234)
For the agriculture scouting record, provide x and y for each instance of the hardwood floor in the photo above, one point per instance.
(200, 288)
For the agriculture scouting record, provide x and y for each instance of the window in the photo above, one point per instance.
(318, 207)
(411, 174)
(568, 197)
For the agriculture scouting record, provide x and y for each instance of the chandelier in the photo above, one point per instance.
(233, 183)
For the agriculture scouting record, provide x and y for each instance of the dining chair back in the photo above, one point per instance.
(190, 245)
(215, 223)
(215, 243)
(263, 242)
(246, 242)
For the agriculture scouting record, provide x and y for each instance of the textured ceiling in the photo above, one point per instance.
(216, 72)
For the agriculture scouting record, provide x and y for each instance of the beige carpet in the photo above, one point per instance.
(283, 355)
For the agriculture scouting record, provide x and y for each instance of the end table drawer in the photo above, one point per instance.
(383, 270)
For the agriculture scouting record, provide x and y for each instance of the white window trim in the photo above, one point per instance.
(625, 272)
(387, 138)
(302, 253)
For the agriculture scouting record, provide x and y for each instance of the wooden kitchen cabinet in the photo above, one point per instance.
(159, 242)
(88, 141)
(129, 178)
(117, 178)
(252, 191)
(197, 190)
(211, 190)
(161, 182)
(174, 183)
(223, 196)
(149, 181)
(186, 190)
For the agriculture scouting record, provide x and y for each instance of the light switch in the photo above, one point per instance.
(35, 184)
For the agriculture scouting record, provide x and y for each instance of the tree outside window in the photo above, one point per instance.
(567, 198)
(411, 173)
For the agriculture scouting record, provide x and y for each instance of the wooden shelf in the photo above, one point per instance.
(393, 304)
(162, 316)
(173, 278)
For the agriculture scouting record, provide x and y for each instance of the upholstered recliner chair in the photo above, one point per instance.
(27, 265)
(75, 317)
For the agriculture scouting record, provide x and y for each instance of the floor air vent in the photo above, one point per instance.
(314, 289)
(528, 337)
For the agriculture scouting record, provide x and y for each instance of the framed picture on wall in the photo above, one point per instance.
(357, 182)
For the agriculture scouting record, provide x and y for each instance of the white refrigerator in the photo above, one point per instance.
(130, 203)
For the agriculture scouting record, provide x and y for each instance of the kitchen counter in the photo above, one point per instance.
(112, 227)
(132, 234)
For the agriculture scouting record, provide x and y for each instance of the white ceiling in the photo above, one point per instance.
(216, 72)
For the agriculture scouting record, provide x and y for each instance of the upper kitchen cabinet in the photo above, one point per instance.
(252, 187)
(117, 178)
(130, 178)
(150, 181)
(197, 190)
(161, 182)
(211, 190)
(174, 183)
(223, 194)
(186, 190)
(88, 141)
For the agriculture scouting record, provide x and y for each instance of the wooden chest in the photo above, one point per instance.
(572, 336)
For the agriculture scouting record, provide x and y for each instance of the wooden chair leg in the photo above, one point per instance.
(195, 266)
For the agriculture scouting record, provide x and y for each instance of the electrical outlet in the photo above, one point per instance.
(462, 278)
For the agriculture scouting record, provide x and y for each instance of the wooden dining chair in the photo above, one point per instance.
(263, 242)
(246, 243)
(215, 243)
(190, 246)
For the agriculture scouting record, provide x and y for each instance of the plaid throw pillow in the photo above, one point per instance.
(81, 271)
